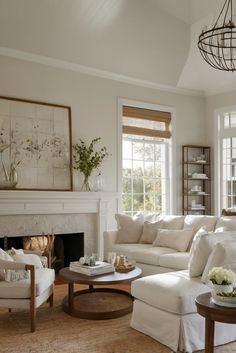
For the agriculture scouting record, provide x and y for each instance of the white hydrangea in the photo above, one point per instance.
(220, 275)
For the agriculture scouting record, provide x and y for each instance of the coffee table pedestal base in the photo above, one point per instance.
(98, 303)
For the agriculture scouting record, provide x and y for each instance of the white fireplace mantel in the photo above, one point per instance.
(60, 202)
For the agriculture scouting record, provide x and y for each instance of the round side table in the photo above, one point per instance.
(212, 313)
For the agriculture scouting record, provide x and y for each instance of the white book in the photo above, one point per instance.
(99, 264)
(87, 271)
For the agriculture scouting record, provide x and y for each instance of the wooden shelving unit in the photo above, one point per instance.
(196, 180)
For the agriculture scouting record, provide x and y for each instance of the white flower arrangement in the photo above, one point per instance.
(220, 275)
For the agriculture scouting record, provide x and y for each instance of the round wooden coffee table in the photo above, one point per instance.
(98, 303)
(212, 313)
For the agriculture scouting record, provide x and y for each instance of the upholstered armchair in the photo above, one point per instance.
(27, 293)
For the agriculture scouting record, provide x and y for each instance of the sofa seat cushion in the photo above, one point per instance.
(150, 255)
(173, 292)
(44, 278)
(178, 261)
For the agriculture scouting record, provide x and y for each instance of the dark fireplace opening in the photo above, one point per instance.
(66, 248)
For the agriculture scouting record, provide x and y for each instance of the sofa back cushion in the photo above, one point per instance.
(202, 247)
(222, 255)
(177, 239)
(150, 231)
(173, 222)
(225, 224)
(129, 228)
(196, 222)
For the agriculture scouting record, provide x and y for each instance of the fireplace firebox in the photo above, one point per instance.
(67, 247)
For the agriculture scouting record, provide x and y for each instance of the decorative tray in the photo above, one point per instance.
(223, 300)
(223, 303)
(125, 269)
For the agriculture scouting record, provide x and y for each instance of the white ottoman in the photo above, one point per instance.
(164, 308)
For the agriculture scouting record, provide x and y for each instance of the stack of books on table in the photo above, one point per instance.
(99, 269)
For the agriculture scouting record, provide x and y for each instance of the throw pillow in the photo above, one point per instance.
(129, 228)
(29, 259)
(202, 248)
(16, 275)
(150, 232)
(222, 255)
(196, 237)
(4, 256)
(177, 239)
(17, 251)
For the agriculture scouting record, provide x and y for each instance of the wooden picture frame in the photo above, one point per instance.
(35, 145)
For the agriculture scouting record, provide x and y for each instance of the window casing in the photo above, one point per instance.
(145, 162)
(227, 160)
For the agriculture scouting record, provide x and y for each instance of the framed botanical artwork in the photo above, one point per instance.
(35, 145)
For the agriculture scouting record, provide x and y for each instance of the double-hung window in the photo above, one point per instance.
(227, 160)
(145, 162)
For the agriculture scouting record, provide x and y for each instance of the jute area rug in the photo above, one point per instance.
(58, 332)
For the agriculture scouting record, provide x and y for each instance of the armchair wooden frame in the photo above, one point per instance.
(10, 265)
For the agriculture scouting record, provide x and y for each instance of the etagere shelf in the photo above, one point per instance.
(196, 180)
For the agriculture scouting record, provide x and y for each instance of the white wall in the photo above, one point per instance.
(94, 107)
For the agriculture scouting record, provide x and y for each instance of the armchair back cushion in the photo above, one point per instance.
(44, 278)
(29, 259)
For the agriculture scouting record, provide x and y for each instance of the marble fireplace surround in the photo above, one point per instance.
(32, 212)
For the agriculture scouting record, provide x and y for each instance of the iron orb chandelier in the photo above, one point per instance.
(218, 44)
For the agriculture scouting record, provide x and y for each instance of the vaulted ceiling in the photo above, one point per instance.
(150, 40)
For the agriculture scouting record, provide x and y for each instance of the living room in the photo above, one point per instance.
(89, 61)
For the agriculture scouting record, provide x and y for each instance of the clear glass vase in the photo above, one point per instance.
(86, 184)
(98, 183)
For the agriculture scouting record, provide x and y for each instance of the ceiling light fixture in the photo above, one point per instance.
(218, 44)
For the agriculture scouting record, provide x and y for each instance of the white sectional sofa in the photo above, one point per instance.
(164, 305)
(153, 260)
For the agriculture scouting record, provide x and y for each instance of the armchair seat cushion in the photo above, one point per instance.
(44, 278)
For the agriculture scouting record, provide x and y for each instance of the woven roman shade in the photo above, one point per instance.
(146, 122)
